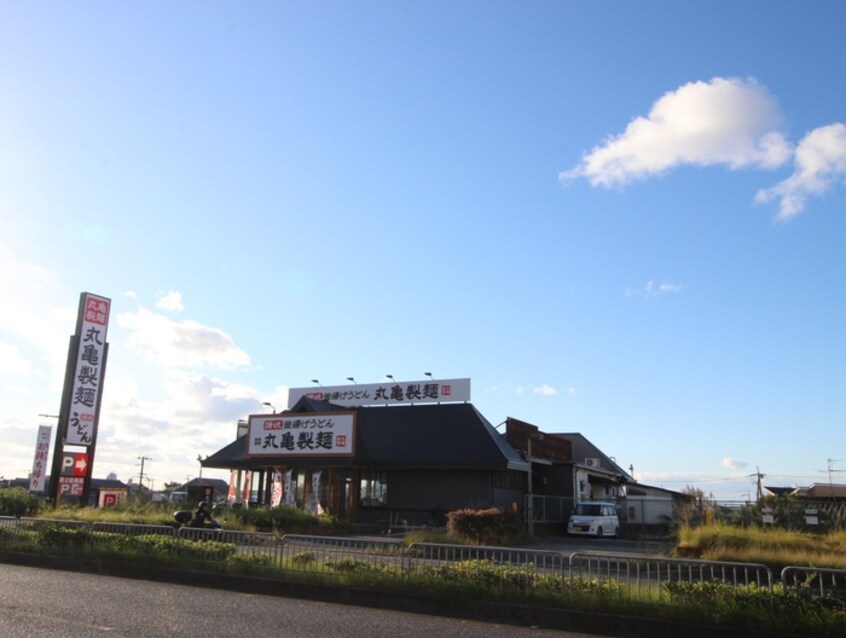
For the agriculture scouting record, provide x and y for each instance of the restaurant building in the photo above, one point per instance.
(400, 454)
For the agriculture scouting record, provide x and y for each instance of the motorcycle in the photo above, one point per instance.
(185, 517)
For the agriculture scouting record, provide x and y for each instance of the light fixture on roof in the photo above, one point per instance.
(270, 406)
(391, 377)
(352, 379)
(429, 374)
(317, 382)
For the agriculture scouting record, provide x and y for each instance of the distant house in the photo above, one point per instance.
(822, 491)
(204, 489)
(106, 492)
(649, 506)
(598, 477)
(567, 468)
(778, 491)
(567, 465)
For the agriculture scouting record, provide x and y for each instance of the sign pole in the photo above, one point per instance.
(62, 425)
(82, 395)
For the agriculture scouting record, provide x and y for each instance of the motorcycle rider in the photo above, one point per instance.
(202, 518)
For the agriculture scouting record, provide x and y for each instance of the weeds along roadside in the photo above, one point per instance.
(712, 603)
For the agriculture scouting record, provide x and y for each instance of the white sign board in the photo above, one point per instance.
(302, 435)
(39, 464)
(88, 370)
(404, 393)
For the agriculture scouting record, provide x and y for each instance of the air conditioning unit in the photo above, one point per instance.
(592, 462)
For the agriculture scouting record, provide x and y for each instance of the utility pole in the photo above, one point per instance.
(830, 469)
(141, 473)
(759, 494)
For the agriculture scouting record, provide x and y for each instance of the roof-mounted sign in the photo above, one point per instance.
(395, 393)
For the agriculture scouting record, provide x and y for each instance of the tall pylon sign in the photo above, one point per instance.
(81, 397)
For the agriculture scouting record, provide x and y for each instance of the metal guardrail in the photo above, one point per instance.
(427, 554)
(818, 581)
(133, 529)
(505, 567)
(638, 575)
(338, 554)
(633, 576)
(40, 523)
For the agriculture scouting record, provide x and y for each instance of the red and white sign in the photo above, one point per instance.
(108, 498)
(302, 434)
(74, 464)
(86, 388)
(70, 486)
(233, 489)
(278, 487)
(39, 464)
(246, 493)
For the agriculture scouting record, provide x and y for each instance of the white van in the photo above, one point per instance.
(594, 519)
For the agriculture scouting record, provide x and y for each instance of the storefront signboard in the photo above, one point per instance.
(299, 435)
(90, 363)
(398, 393)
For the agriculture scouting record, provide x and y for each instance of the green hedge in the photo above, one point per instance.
(485, 526)
(285, 519)
(16, 501)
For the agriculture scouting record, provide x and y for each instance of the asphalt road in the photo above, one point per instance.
(44, 603)
(568, 544)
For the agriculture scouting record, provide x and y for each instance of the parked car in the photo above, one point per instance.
(594, 519)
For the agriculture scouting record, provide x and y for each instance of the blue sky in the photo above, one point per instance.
(623, 219)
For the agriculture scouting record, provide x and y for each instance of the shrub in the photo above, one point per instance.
(286, 519)
(485, 526)
(16, 501)
(65, 537)
(304, 559)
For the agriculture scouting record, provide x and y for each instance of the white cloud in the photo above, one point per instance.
(12, 363)
(198, 414)
(171, 301)
(725, 121)
(35, 319)
(733, 464)
(820, 163)
(651, 289)
(184, 343)
(24, 287)
(200, 399)
(545, 390)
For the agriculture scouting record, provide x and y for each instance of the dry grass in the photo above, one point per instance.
(772, 547)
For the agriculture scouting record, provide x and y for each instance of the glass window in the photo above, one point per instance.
(374, 489)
